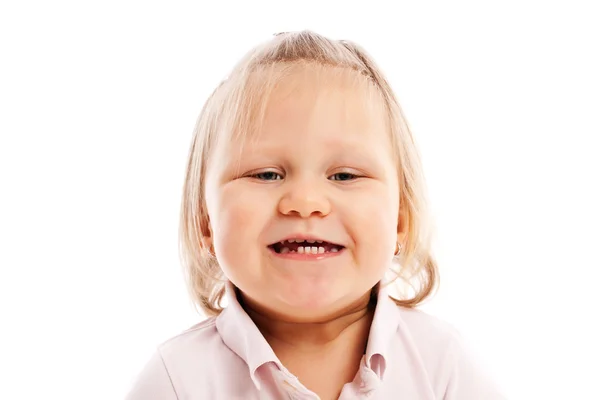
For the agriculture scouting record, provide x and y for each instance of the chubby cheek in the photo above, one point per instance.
(237, 221)
(373, 228)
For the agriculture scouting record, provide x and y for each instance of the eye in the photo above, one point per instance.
(267, 176)
(343, 176)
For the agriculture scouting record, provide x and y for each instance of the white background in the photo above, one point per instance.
(97, 105)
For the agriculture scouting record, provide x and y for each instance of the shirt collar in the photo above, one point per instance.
(383, 329)
(242, 336)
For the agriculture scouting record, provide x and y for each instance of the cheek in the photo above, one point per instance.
(374, 226)
(237, 221)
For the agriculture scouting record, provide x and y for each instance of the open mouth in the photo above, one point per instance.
(305, 247)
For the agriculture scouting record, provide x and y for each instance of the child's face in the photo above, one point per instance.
(323, 167)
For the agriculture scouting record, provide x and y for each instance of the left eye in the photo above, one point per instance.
(268, 176)
(342, 176)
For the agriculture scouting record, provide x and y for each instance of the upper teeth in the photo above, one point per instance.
(313, 250)
(302, 241)
(308, 250)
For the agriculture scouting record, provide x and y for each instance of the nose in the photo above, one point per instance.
(304, 199)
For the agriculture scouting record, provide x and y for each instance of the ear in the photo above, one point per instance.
(207, 234)
(207, 243)
(403, 223)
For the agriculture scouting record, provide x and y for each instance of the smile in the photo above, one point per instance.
(306, 248)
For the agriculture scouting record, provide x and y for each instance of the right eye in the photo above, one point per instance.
(267, 176)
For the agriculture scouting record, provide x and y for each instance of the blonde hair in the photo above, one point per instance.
(237, 106)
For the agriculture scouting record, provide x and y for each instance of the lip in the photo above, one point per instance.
(306, 256)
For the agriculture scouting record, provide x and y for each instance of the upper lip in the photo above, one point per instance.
(305, 237)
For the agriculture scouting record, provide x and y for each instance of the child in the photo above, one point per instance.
(303, 205)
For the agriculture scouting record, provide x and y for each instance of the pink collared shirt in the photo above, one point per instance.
(410, 355)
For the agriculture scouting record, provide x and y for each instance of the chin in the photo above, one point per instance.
(311, 299)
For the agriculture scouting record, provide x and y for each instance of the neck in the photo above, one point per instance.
(352, 323)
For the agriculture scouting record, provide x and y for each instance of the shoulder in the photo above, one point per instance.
(432, 342)
(427, 329)
(451, 364)
(198, 336)
(199, 348)
(167, 373)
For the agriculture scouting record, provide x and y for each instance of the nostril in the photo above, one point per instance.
(304, 204)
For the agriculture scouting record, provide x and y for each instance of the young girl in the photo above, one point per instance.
(303, 207)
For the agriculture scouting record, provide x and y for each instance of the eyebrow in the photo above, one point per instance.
(344, 151)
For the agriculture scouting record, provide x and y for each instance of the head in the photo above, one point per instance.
(304, 142)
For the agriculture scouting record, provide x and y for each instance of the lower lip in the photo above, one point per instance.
(306, 256)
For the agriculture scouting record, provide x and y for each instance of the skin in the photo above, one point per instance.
(322, 165)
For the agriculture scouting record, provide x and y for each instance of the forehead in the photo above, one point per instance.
(304, 100)
(324, 102)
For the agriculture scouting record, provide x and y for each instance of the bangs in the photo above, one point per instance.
(246, 107)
